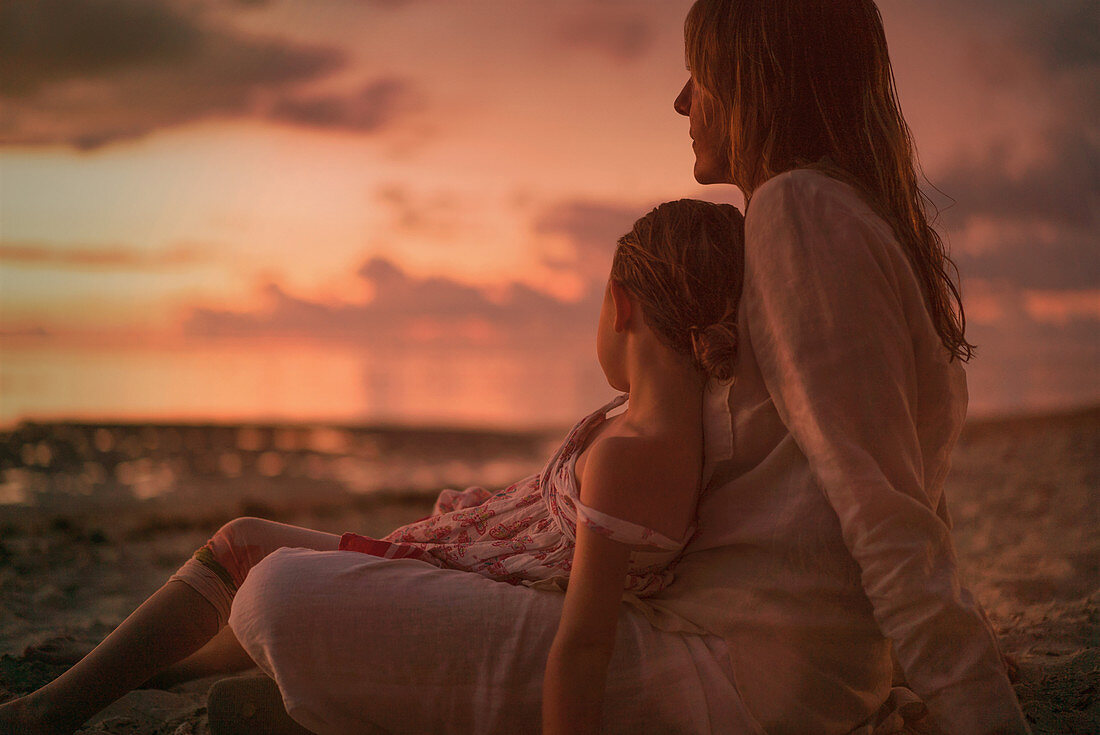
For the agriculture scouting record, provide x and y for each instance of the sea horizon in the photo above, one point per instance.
(473, 386)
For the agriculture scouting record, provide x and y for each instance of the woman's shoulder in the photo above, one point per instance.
(794, 213)
(802, 191)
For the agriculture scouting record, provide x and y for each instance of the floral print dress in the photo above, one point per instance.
(526, 533)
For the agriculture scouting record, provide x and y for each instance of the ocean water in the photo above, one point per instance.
(530, 387)
(183, 468)
(234, 383)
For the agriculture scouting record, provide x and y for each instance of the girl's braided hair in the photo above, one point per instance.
(684, 261)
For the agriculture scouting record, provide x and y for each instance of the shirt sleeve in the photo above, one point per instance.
(826, 305)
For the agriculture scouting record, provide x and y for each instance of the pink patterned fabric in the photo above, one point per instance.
(526, 533)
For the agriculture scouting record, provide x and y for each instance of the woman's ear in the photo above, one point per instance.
(624, 306)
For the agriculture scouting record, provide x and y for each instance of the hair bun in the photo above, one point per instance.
(714, 349)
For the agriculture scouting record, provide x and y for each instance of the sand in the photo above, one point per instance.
(1022, 494)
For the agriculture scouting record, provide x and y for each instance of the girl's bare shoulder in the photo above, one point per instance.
(652, 480)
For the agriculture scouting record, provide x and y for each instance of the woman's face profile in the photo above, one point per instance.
(709, 136)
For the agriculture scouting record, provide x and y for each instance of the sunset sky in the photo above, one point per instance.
(405, 209)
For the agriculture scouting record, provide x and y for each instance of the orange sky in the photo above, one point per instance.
(303, 181)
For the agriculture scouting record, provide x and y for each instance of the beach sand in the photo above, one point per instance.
(1022, 494)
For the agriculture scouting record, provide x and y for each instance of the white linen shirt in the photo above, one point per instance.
(823, 530)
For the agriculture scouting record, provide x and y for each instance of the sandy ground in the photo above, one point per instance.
(1022, 493)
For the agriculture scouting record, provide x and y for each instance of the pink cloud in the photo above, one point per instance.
(406, 309)
(1062, 307)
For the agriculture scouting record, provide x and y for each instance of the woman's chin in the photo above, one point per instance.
(709, 174)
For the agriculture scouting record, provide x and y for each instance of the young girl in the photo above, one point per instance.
(607, 516)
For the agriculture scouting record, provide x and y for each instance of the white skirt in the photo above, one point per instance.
(358, 643)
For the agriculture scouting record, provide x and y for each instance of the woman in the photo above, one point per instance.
(825, 532)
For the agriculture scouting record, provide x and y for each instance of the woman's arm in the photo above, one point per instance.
(832, 312)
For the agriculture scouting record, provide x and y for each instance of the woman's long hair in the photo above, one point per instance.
(808, 84)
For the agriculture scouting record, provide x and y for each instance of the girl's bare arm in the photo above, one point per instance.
(576, 669)
(629, 478)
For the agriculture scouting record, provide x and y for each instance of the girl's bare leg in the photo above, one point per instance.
(221, 655)
(172, 624)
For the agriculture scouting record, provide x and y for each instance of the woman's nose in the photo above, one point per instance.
(682, 104)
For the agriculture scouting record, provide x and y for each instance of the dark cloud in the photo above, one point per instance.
(1026, 209)
(86, 73)
(1025, 226)
(36, 332)
(397, 294)
(1062, 187)
(1028, 260)
(1040, 224)
(1061, 34)
(437, 214)
(1047, 50)
(52, 41)
(619, 33)
(1021, 199)
(1065, 34)
(589, 224)
(401, 306)
(371, 109)
(591, 230)
(101, 258)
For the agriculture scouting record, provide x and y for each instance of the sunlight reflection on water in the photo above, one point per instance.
(59, 464)
(422, 386)
(98, 426)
